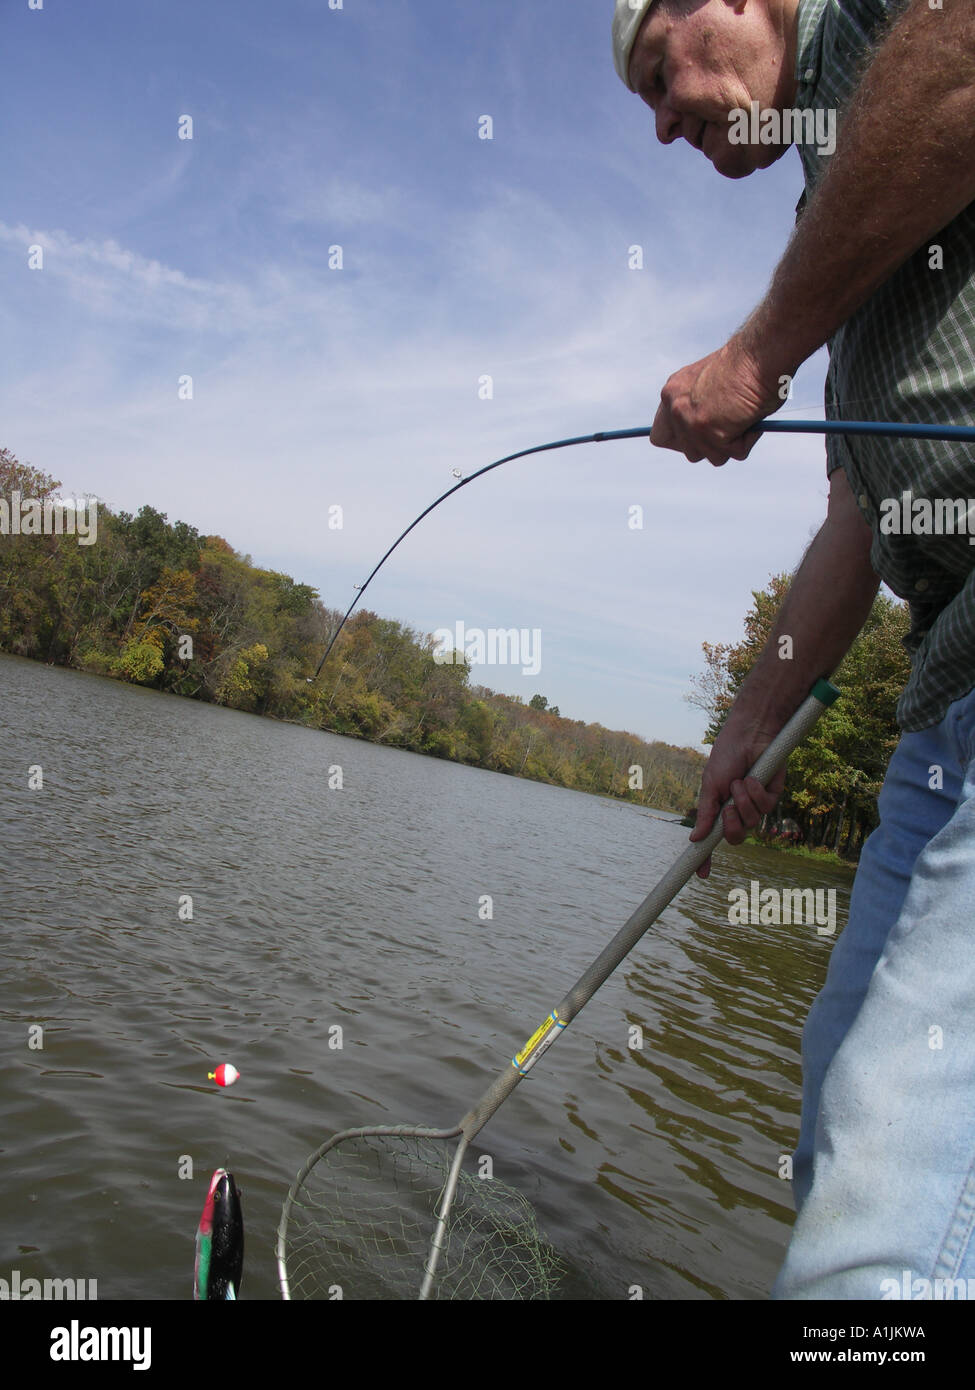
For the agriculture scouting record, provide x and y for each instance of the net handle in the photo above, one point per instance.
(766, 766)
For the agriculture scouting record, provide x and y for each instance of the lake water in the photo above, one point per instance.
(358, 907)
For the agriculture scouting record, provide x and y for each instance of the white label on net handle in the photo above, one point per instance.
(542, 1038)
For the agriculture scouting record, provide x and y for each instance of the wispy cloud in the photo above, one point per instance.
(462, 260)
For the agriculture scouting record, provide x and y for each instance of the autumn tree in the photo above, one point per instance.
(834, 777)
(156, 603)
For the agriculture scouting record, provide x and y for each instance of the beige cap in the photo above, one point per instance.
(629, 15)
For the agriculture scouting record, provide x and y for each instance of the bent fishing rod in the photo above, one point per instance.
(872, 427)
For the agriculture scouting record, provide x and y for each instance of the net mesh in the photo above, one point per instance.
(361, 1223)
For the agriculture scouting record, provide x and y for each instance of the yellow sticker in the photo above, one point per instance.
(541, 1039)
(533, 1041)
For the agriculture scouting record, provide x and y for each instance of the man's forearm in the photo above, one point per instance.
(904, 167)
(827, 604)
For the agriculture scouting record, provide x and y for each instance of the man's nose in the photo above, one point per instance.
(667, 122)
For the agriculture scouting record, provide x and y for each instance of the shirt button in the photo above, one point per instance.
(809, 74)
(864, 500)
(921, 585)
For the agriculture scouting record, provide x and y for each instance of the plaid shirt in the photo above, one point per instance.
(907, 355)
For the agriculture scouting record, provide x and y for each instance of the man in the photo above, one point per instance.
(882, 267)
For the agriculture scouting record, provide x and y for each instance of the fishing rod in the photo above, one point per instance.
(872, 427)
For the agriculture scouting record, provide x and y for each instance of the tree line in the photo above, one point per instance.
(158, 604)
(835, 776)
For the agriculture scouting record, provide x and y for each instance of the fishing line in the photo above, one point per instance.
(872, 427)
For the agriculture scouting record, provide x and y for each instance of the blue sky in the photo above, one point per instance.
(462, 257)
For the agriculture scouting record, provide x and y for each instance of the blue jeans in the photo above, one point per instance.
(884, 1174)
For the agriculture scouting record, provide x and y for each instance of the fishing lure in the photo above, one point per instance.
(219, 1242)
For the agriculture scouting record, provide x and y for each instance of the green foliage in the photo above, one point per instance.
(242, 675)
(158, 604)
(141, 660)
(477, 727)
(835, 776)
(21, 477)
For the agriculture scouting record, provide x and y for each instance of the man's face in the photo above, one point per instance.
(695, 61)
